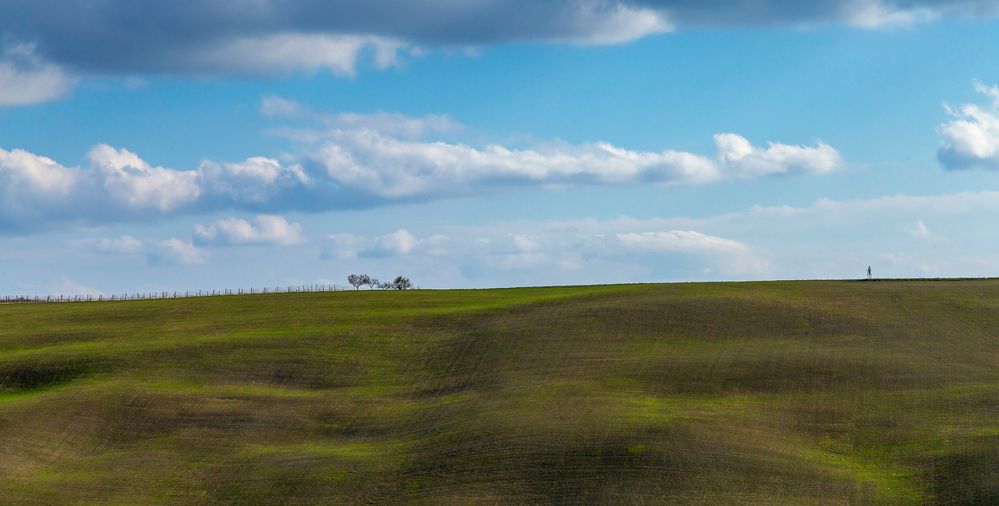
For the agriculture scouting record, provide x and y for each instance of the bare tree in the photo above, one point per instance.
(356, 280)
(359, 280)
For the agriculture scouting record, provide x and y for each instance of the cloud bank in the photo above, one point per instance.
(898, 235)
(356, 163)
(222, 37)
(261, 230)
(556, 251)
(264, 229)
(389, 167)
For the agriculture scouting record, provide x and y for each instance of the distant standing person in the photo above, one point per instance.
(869, 275)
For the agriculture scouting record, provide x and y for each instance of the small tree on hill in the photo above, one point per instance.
(371, 282)
(356, 280)
(402, 283)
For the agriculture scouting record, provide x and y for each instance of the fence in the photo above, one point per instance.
(169, 294)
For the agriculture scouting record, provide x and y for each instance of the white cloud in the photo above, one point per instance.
(265, 229)
(393, 124)
(397, 125)
(920, 231)
(971, 139)
(398, 243)
(255, 180)
(685, 241)
(343, 246)
(525, 244)
(395, 244)
(356, 164)
(719, 254)
(552, 252)
(118, 185)
(275, 106)
(898, 235)
(33, 187)
(390, 167)
(128, 179)
(123, 244)
(607, 23)
(69, 287)
(37, 175)
(989, 91)
(838, 238)
(174, 251)
(225, 37)
(288, 52)
(875, 14)
(25, 79)
(744, 160)
(436, 245)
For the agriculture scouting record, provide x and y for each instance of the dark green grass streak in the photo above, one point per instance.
(785, 392)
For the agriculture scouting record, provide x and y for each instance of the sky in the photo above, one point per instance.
(247, 143)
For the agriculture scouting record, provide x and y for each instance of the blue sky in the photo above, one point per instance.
(494, 143)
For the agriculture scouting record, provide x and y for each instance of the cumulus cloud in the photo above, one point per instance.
(398, 243)
(971, 138)
(26, 79)
(744, 160)
(34, 188)
(123, 244)
(128, 179)
(264, 229)
(390, 167)
(172, 251)
(118, 185)
(256, 180)
(175, 251)
(363, 161)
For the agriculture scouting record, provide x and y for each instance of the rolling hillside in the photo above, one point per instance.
(783, 392)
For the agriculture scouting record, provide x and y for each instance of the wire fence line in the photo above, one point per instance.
(17, 299)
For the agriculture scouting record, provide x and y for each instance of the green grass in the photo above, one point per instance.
(734, 393)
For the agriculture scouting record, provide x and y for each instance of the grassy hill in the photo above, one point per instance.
(785, 392)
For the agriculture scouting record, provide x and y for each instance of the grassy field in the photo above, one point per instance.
(741, 393)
